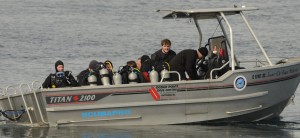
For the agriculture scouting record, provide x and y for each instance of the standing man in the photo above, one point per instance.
(185, 61)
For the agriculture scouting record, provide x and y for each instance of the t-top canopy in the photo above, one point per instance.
(205, 13)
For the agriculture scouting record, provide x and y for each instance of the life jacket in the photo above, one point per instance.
(60, 79)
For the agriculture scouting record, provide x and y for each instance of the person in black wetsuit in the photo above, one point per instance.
(146, 67)
(61, 78)
(110, 68)
(93, 69)
(185, 61)
(165, 54)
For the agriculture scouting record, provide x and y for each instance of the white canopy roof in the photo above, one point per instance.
(205, 13)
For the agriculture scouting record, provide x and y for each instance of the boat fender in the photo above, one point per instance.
(117, 78)
(104, 75)
(153, 75)
(92, 80)
(132, 77)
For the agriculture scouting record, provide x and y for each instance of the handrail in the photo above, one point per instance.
(8, 97)
(171, 72)
(37, 102)
(2, 91)
(220, 18)
(253, 34)
(25, 104)
(215, 69)
(199, 30)
(231, 41)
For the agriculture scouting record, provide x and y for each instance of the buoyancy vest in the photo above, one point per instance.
(60, 79)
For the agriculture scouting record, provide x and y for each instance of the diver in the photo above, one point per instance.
(93, 69)
(162, 56)
(146, 67)
(61, 78)
(131, 74)
(185, 62)
(110, 68)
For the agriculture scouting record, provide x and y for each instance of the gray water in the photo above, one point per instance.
(34, 34)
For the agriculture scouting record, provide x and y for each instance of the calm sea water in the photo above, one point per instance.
(34, 34)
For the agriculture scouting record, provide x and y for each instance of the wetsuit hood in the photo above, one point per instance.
(57, 63)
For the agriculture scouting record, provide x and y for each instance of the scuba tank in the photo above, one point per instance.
(153, 75)
(92, 80)
(104, 75)
(165, 72)
(117, 78)
(132, 77)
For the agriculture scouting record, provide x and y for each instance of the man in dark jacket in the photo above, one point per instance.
(185, 61)
(61, 78)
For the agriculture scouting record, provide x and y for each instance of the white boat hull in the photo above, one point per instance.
(267, 92)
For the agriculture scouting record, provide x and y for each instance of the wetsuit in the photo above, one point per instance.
(83, 77)
(184, 61)
(159, 56)
(146, 68)
(54, 81)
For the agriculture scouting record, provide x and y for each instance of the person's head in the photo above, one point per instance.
(202, 52)
(131, 64)
(108, 65)
(93, 65)
(138, 63)
(144, 58)
(165, 45)
(59, 66)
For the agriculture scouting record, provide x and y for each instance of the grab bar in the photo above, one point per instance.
(25, 104)
(2, 91)
(37, 102)
(8, 97)
(171, 72)
(215, 69)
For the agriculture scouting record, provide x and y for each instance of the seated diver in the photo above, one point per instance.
(93, 69)
(127, 77)
(61, 78)
(109, 66)
(146, 67)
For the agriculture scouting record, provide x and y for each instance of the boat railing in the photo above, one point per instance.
(2, 92)
(170, 72)
(257, 63)
(24, 101)
(6, 93)
(39, 84)
(216, 69)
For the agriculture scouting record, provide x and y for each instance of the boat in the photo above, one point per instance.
(229, 92)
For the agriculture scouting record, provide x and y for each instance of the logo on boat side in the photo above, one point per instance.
(163, 92)
(106, 113)
(240, 83)
(74, 98)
